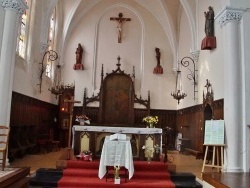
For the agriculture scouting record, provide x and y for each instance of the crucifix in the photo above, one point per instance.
(119, 20)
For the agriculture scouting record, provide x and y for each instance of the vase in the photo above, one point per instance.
(82, 122)
(151, 125)
(117, 181)
(149, 160)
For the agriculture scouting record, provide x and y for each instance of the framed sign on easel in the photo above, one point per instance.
(214, 137)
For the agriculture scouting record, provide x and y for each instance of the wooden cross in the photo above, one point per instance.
(208, 85)
(119, 20)
(71, 103)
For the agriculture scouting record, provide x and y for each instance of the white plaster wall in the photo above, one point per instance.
(239, 3)
(246, 90)
(27, 71)
(2, 15)
(211, 62)
(184, 50)
(98, 36)
(140, 37)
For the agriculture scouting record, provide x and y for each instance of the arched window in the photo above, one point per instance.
(22, 34)
(51, 42)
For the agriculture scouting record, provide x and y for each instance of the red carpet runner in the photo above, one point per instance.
(85, 174)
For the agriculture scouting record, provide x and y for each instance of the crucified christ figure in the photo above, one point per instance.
(119, 20)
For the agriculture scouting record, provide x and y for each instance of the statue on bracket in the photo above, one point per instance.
(209, 42)
(79, 53)
(158, 69)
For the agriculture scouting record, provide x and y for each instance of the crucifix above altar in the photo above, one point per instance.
(120, 21)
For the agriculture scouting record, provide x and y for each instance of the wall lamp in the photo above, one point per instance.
(57, 84)
(178, 94)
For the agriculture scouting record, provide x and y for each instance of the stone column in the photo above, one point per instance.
(229, 20)
(13, 10)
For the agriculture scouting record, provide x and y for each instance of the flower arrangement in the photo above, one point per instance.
(86, 152)
(82, 119)
(86, 155)
(151, 120)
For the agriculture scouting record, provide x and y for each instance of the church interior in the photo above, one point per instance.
(170, 75)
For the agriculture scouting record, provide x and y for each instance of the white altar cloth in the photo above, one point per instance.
(116, 153)
(132, 130)
(124, 130)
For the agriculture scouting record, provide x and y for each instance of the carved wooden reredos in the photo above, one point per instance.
(116, 98)
(208, 98)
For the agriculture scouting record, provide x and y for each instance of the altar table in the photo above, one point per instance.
(116, 153)
(77, 130)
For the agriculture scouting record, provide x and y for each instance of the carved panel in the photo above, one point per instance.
(118, 100)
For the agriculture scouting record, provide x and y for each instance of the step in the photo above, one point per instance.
(46, 177)
(182, 176)
(187, 184)
(49, 171)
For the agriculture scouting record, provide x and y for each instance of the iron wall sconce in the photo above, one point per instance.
(52, 56)
(179, 94)
(185, 62)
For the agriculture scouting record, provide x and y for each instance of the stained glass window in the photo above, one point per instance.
(51, 43)
(22, 36)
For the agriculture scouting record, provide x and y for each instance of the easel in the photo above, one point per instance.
(218, 150)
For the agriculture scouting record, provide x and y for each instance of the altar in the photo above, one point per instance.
(92, 138)
(116, 103)
(116, 153)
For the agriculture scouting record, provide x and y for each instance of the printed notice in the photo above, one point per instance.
(214, 132)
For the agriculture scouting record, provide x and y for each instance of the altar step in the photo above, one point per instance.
(46, 177)
(49, 178)
(184, 180)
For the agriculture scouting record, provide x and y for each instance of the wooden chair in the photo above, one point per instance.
(43, 142)
(53, 143)
(4, 139)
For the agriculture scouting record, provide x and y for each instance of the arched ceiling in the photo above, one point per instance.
(167, 12)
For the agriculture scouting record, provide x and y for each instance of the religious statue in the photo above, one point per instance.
(209, 42)
(158, 55)
(119, 30)
(79, 53)
(158, 69)
(209, 24)
(119, 20)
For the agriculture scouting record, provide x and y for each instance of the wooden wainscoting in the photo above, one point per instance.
(191, 123)
(30, 119)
